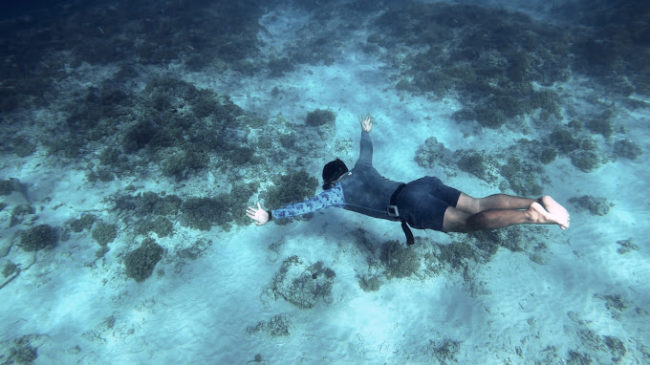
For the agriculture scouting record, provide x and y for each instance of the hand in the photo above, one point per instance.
(366, 124)
(259, 215)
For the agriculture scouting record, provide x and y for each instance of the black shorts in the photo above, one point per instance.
(423, 202)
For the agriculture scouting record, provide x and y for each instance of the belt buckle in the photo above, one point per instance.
(393, 211)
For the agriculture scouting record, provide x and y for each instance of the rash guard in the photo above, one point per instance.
(363, 191)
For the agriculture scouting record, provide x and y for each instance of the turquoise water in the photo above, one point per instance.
(135, 136)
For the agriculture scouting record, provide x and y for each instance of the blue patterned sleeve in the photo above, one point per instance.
(328, 198)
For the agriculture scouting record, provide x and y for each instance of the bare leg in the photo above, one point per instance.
(457, 220)
(503, 201)
(498, 218)
(497, 201)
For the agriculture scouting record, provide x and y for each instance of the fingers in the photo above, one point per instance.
(255, 214)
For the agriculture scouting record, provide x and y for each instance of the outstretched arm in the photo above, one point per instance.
(365, 155)
(327, 198)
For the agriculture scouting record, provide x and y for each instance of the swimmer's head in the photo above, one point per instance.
(332, 171)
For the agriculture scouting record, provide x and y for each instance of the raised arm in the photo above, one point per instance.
(365, 155)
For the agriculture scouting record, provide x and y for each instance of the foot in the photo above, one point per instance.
(547, 211)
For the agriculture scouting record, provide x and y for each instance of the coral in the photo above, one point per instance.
(180, 164)
(279, 66)
(432, 153)
(294, 186)
(148, 203)
(141, 261)
(240, 156)
(626, 246)
(456, 253)
(369, 283)
(613, 47)
(6, 187)
(564, 140)
(301, 284)
(85, 222)
(614, 303)
(104, 233)
(521, 175)
(238, 197)
(400, 261)
(625, 148)
(602, 124)
(616, 347)
(38, 237)
(277, 326)
(194, 251)
(140, 135)
(577, 358)
(19, 212)
(513, 238)
(20, 351)
(9, 269)
(586, 161)
(594, 205)
(203, 213)
(319, 117)
(444, 350)
(22, 147)
(161, 226)
(477, 164)
(547, 155)
(490, 116)
(487, 57)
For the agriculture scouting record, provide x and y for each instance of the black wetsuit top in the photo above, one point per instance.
(365, 190)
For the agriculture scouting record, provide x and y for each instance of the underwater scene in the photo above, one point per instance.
(138, 137)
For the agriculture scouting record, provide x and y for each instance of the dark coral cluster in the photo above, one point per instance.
(594, 205)
(502, 64)
(176, 126)
(222, 32)
(153, 212)
(489, 58)
(614, 44)
(141, 261)
(39, 237)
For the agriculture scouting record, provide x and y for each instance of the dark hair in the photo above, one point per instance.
(332, 171)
